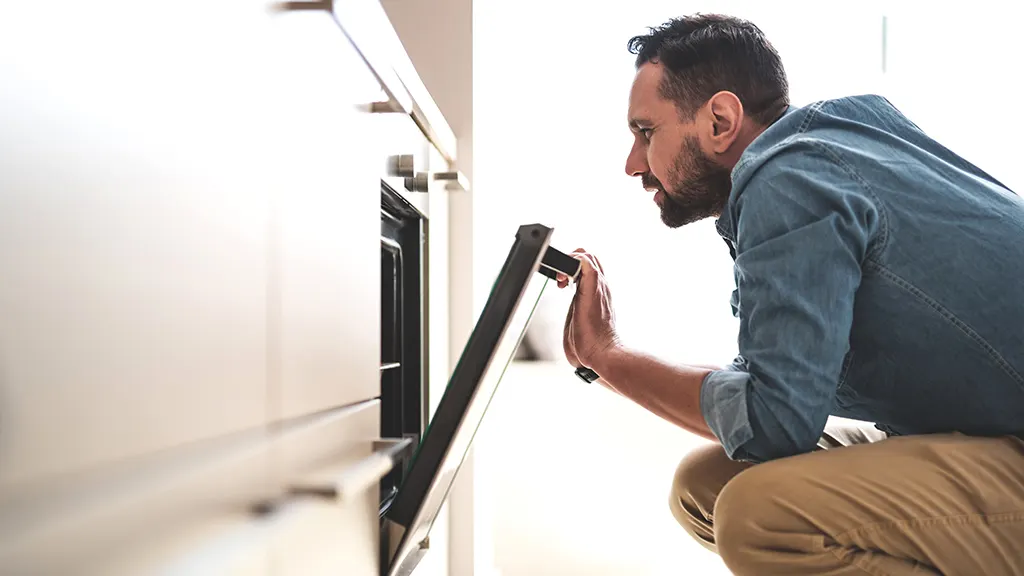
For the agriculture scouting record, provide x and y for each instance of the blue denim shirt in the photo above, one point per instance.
(879, 277)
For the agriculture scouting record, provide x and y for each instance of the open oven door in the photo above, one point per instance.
(409, 516)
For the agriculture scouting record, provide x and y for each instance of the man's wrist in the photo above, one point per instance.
(605, 362)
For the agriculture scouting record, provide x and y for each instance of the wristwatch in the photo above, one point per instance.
(587, 375)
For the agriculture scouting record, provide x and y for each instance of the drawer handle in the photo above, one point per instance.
(361, 475)
(454, 181)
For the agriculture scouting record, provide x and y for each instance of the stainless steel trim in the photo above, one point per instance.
(455, 181)
(399, 99)
(418, 183)
(369, 29)
(390, 244)
(402, 166)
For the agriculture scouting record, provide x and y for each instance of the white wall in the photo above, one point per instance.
(579, 477)
(956, 72)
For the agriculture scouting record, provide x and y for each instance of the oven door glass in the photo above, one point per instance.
(490, 348)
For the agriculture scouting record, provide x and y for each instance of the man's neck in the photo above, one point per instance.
(748, 133)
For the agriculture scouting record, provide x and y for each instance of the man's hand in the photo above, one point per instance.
(590, 324)
(668, 390)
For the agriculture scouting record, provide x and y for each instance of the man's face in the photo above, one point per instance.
(668, 157)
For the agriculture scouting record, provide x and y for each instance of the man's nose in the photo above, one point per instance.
(636, 162)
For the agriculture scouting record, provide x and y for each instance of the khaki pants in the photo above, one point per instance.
(942, 504)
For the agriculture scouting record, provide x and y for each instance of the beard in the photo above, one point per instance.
(698, 187)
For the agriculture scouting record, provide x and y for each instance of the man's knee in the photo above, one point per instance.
(696, 477)
(748, 512)
(698, 480)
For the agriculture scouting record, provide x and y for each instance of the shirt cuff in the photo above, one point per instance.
(723, 402)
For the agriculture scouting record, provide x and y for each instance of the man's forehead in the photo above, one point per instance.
(648, 77)
(644, 93)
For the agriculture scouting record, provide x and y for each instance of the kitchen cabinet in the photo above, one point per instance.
(136, 174)
(189, 232)
(318, 534)
(324, 292)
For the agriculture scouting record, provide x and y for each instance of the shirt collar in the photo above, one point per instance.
(724, 224)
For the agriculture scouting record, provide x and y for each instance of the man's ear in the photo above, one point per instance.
(726, 117)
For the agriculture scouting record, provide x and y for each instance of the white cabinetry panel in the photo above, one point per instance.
(325, 293)
(134, 198)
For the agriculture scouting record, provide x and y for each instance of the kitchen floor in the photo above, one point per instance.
(577, 481)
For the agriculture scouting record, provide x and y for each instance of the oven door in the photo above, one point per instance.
(491, 346)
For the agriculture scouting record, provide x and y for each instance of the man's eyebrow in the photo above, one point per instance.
(637, 124)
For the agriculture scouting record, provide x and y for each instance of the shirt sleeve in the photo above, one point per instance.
(805, 222)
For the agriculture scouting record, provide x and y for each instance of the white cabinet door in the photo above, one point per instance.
(319, 535)
(186, 211)
(135, 184)
(325, 288)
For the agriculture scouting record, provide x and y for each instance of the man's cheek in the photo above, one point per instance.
(658, 171)
(653, 165)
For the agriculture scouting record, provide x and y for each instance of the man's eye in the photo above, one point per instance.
(647, 133)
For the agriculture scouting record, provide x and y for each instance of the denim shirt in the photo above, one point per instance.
(879, 277)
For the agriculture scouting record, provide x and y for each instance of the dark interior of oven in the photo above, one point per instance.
(403, 336)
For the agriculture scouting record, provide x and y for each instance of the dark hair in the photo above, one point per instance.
(707, 53)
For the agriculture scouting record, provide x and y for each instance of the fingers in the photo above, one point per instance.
(588, 267)
(582, 255)
(588, 264)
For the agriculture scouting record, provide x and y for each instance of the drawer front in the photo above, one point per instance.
(134, 202)
(193, 511)
(320, 535)
(188, 510)
(323, 539)
(325, 290)
(188, 229)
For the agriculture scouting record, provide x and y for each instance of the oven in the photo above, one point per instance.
(404, 317)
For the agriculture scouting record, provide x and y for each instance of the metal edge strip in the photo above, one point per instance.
(370, 31)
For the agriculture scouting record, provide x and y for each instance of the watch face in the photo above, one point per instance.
(450, 433)
(586, 374)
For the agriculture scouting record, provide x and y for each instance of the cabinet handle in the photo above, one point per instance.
(455, 181)
(420, 182)
(361, 475)
(402, 166)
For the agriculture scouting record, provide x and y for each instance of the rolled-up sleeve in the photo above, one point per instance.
(805, 224)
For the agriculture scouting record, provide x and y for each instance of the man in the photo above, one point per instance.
(878, 278)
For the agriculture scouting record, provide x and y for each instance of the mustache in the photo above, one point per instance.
(649, 181)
